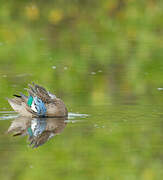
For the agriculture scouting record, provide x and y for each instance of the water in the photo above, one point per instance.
(107, 141)
(108, 134)
(105, 60)
(38, 130)
(114, 129)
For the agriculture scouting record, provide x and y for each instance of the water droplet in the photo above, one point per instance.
(54, 67)
(99, 71)
(160, 89)
(93, 73)
(65, 68)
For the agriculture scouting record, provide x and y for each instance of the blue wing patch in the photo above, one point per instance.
(37, 105)
(40, 106)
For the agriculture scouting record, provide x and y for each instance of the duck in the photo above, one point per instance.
(38, 103)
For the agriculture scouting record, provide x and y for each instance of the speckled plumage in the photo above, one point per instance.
(38, 103)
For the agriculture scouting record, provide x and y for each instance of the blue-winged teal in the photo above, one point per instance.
(39, 103)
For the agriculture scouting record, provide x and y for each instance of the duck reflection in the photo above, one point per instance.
(38, 130)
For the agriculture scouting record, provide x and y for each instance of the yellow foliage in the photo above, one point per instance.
(55, 16)
(32, 12)
(148, 174)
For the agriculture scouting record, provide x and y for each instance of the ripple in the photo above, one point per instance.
(6, 115)
(74, 115)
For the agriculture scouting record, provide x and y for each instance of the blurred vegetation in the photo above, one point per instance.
(89, 53)
(120, 38)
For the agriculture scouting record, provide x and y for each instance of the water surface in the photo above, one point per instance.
(104, 59)
(109, 140)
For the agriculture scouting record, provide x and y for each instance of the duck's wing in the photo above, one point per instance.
(33, 104)
(38, 97)
(40, 92)
(38, 101)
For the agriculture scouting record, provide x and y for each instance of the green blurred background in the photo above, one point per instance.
(103, 58)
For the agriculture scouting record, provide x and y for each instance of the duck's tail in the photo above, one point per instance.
(19, 104)
(15, 103)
